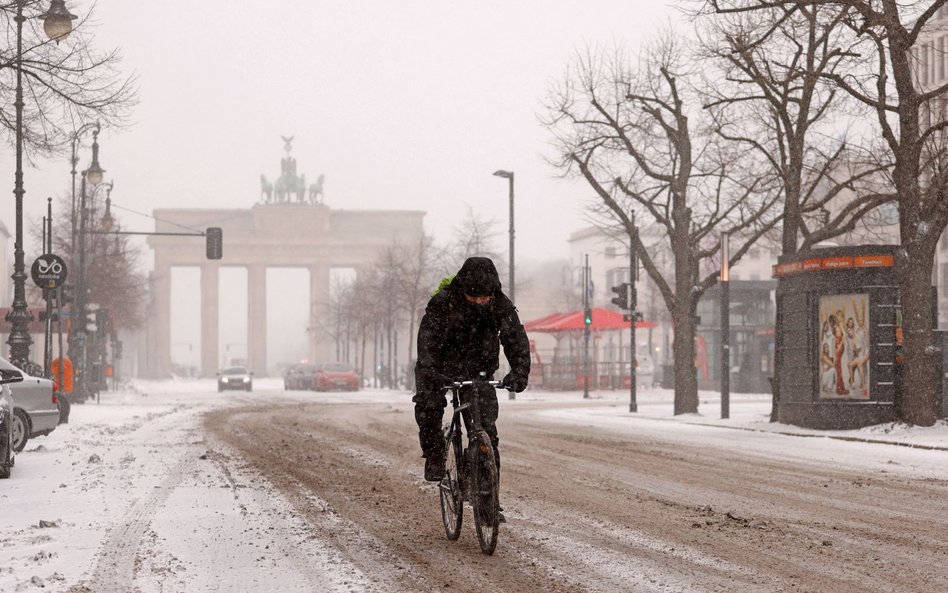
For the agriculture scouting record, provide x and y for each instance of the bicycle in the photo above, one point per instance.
(470, 473)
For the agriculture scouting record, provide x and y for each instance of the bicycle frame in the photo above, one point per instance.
(475, 476)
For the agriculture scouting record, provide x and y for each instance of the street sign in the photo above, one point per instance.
(48, 271)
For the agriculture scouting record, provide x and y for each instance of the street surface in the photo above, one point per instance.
(592, 510)
(291, 491)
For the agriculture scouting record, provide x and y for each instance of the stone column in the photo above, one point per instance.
(257, 319)
(162, 313)
(210, 319)
(321, 349)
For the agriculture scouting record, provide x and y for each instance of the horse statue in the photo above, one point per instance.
(300, 189)
(316, 190)
(280, 191)
(266, 190)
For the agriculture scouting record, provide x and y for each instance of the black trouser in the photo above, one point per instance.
(429, 414)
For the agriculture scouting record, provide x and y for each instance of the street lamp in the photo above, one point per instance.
(509, 176)
(56, 20)
(73, 161)
(725, 329)
(77, 339)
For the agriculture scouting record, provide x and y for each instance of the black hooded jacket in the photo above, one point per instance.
(458, 339)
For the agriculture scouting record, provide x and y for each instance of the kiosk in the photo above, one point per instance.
(838, 337)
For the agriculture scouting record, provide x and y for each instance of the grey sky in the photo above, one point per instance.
(401, 104)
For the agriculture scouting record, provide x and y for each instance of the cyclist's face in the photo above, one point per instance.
(478, 300)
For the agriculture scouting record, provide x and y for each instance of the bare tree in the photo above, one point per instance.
(474, 236)
(774, 99)
(911, 119)
(629, 133)
(417, 278)
(111, 261)
(65, 83)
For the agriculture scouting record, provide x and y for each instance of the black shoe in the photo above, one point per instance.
(434, 469)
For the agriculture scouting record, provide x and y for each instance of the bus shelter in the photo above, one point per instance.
(838, 337)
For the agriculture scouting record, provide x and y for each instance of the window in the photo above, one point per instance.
(610, 251)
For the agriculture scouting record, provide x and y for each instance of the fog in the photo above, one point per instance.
(406, 105)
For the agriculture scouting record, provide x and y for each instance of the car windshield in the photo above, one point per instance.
(234, 371)
(337, 368)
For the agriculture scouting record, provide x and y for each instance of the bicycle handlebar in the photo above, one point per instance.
(457, 384)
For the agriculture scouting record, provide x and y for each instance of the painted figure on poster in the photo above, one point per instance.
(843, 347)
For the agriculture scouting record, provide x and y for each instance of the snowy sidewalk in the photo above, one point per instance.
(748, 411)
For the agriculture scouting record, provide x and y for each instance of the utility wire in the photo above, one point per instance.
(114, 205)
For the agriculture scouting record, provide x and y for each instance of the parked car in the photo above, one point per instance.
(299, 376)
(35, 406)
(336, 376)
(234, 378)
(7, 454)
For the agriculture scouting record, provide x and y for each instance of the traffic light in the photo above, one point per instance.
(67, 294)
(588, 317)
(622, 300)
(91, 313)
(215, 242)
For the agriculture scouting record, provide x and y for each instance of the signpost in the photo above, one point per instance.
(49, 273)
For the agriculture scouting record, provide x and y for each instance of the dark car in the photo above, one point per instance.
(299, 376)
(7, 451)
(234, 378)
(336, 376)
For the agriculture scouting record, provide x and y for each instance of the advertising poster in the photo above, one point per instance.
(844, 346)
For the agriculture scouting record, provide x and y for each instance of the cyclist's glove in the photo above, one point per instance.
(515, 382)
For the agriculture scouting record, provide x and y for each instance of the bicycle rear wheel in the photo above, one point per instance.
(452, 509)
(484, 494)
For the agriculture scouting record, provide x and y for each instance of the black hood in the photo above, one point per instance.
(478, 277)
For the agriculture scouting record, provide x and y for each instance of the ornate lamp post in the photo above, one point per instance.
(77, 344)
(73, 161)
(509, 176)
(58, 25)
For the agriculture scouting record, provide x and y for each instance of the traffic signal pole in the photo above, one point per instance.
(633, 298)
(587, 318)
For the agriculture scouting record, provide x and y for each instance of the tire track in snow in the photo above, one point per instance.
(115, 569)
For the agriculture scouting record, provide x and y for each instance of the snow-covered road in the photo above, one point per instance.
(135, 494)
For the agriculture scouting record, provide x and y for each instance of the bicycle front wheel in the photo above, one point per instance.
(484, 494)
(452, 510)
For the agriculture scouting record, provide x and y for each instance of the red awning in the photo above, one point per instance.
(602, 319)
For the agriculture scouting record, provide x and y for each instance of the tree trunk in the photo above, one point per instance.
(922, 365)
(683, 346)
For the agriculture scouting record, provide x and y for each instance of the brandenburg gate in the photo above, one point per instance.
(289, 229)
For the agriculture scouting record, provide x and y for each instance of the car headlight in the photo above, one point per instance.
(246, 379)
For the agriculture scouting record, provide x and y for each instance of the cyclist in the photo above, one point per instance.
(466, 321)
